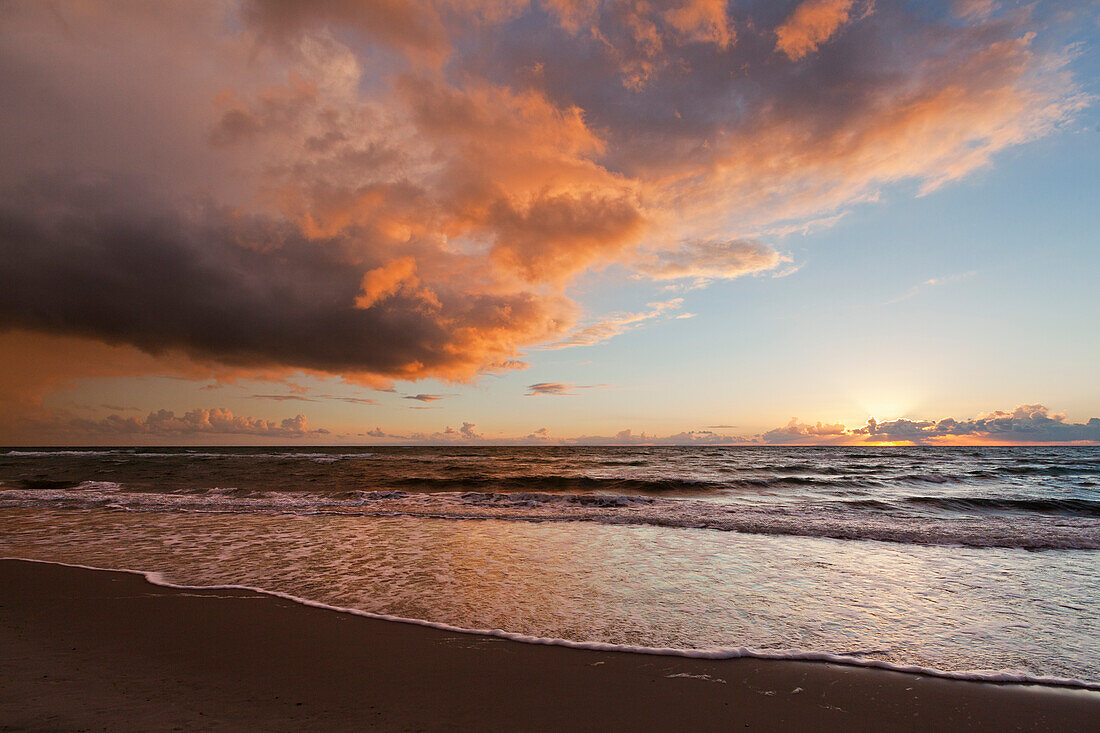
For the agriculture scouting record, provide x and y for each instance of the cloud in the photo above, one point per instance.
(241, 291)
(1025, 424)
(799, 432)
(549, 388)
(425, 397)
(928, 284)
(713, 261)
(504, 366)
(318, 398)
(972, 9)
(608, 328)
(165, 424)
(690, 437)
(349, 400)
(540, 435)
(385, 281)
(408, 190)
(468, 434)
(703, 21)
(557, 388)
(414, 28)
(811, 24)
(280, 397)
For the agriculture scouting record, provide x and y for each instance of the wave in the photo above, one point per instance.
(558, 483)
(188, 454)
(856, 659)
(1032, 531)
(637, 484)
(1071, 507)
(1064, 468)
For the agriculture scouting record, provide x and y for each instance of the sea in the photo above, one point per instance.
(979, 563)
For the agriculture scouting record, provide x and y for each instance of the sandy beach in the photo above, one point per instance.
(91, 650)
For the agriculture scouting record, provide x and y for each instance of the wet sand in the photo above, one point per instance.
(94, 650)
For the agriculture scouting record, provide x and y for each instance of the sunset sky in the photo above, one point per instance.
(449, 221)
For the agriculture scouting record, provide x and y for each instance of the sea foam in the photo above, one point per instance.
(719, 653)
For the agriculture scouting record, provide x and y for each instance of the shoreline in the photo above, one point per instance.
(86, 648)
(1009, 677)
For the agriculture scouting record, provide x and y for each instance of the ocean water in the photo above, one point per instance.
(964, 561)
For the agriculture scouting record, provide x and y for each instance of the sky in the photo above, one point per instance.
(549, 221)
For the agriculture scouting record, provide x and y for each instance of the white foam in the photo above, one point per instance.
(132, 453)
(989, 676)
(44, 453)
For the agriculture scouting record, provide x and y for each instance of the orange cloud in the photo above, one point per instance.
(414, 28)
(385, 281)
(703, 21)
(556, 236)
(407, 190)
(811, 24)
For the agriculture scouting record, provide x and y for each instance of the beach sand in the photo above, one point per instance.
(94, 650)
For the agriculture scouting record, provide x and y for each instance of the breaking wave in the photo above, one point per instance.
(1069, 524)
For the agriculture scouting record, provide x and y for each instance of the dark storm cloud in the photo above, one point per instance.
(242, 291)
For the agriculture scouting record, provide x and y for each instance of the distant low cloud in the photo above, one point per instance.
(1025, 424)
(539, 436)
(425, 397)
(467, 433)
(690, 437)
(799, 432)
(165, 424)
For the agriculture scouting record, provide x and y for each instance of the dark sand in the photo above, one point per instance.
(94, 650)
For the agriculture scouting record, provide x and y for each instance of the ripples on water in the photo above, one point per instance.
(950, 558)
